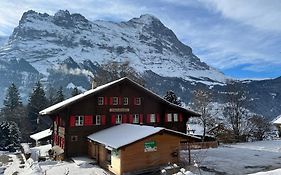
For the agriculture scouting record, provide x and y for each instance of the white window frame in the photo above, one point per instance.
(169, 117)
(176, 117)
(100, 100)
(125, 101)
(98, 119)
(115, 101)
(118, 119)
(138, 101)
(79, 120)
(152, 118)
(136, 118)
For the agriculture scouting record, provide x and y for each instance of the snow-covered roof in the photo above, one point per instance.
(124, 134)
(75, 98)
(277, 120)
(41, 135)
(71, 100)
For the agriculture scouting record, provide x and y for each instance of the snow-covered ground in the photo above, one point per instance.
(242, 158)
(260, 158)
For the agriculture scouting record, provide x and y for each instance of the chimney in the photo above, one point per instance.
(94, 84)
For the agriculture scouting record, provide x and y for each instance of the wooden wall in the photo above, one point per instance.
(134, 157)
(88, 106)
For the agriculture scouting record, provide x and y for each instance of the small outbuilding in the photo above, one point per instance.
(277, 123)
(129, 148)
(42, 137)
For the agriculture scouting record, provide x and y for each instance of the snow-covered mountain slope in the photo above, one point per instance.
(3, 39)
(43, 40)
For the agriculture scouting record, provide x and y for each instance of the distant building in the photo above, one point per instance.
(277, 124)
(117, 102)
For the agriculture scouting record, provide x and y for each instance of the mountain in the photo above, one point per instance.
(68, 50)
(3, 39)
(145, 42)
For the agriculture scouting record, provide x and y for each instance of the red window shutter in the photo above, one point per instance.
(62, 143)
(110, 100)
(72, 121)
(141, 118)
(148, 118)
(103, 119)
(180, 117)
(88, 120)
(113, 120)
(124, 119)
(105, 100)
(119, 100)
(157, 118)
(131, 118)
(166, 117)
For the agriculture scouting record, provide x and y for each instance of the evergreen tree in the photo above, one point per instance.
(75, 92)
(51, 96)
(59, 96)
(9, 136)
(12, 99)
(12, 110)
(171, 97)
(37, 102)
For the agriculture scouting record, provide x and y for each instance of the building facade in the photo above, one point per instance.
(120, 101)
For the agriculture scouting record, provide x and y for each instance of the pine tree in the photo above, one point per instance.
(9, 136)
(12, 99)
(75, 92)
(171, 97)
(37, 102)
(51, 96)
(59, 96)
(12, 110)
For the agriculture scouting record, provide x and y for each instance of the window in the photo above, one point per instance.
(176, 118)
(125, 101)
(79, 120)
(152, 118)
(136, 118)
(100, 101)
(115, 101)
(118, 119)
(98, 119)
(74, 138)
(169, 117)
(137, 101)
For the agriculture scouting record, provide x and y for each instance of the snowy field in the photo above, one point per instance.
(258, 158)
(242, 158)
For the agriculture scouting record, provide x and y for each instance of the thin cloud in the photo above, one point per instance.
(261, 14)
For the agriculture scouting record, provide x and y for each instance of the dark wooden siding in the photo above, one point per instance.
(89, 106)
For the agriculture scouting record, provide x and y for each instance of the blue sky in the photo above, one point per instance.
(241, 38)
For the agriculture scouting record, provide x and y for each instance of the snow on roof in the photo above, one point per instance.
(277, 120)
(41, 135)
(71, 100)
(75, 98)
(124, 134)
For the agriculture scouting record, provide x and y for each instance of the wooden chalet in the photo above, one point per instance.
(117, 102)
